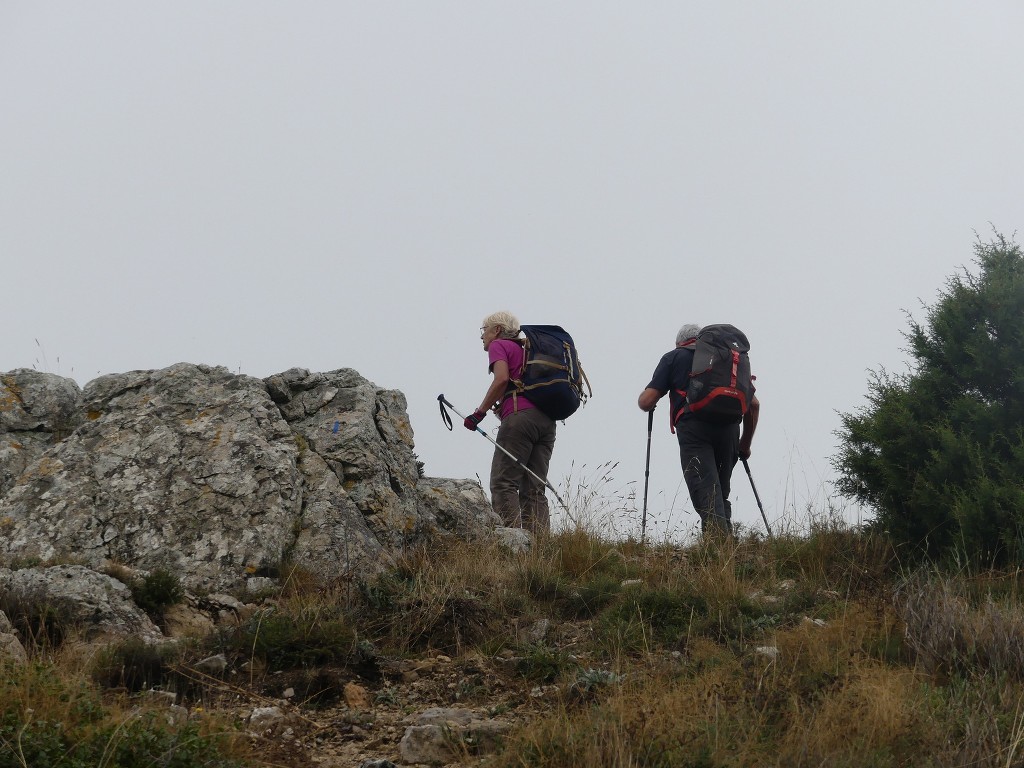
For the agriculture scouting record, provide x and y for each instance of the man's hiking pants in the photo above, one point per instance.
(517, 496)
(708, 452)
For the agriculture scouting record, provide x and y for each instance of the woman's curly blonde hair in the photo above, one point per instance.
(509, 324)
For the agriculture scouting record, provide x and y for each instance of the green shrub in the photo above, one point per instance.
(286, 641)
(541, 664)
(437, 608)
(938, 452)
(156, 592)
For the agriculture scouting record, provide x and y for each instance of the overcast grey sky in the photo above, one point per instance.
(337, 184)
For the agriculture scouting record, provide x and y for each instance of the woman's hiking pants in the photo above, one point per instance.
(516, 495)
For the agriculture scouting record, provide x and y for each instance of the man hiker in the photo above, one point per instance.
(525, 432)
(709, 446)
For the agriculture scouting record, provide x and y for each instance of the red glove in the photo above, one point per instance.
(473, 420)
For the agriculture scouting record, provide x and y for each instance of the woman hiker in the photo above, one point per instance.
(525, 432)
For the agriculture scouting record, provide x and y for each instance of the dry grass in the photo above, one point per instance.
(802, 651)
(963, 625)
(53, 714)
(807, 649)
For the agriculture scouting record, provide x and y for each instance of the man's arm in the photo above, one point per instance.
(649, 398)
(749, 425)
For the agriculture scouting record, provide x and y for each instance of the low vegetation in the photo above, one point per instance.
(52, 713)
(818, 648)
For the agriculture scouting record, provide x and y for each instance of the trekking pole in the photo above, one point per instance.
(758, 498)
(448, 423)
(647, 475)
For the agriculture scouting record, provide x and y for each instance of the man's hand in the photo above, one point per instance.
(649, 398)
(473, 420)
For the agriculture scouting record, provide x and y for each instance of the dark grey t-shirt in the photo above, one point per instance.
(673, 375)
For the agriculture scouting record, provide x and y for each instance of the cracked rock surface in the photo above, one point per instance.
(218, 477)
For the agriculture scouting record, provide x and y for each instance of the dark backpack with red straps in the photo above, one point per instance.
(721, 386)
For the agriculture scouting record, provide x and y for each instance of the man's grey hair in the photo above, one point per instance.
(509, 324)
(688, 331)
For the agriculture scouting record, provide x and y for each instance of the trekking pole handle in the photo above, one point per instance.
(442, 403)
(446, 419)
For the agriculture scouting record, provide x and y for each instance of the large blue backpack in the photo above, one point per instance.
(552, 378)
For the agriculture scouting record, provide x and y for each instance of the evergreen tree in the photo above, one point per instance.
(938, 452)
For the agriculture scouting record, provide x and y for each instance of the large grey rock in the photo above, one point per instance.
(444, 735)
(75, 596)
(220, 478)
(37, 410)
(363, 436)
(515, 540)
(457, 506)
(188, 468)
(31, 401)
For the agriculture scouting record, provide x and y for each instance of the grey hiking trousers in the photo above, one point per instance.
(517, 496)
(708, 452)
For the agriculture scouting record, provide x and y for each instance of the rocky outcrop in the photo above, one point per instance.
(37, 410)
(72, 595)
(218, 477)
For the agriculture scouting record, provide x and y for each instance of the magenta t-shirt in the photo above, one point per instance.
(512, 354)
